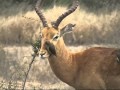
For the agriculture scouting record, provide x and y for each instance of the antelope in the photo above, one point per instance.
(93, 68)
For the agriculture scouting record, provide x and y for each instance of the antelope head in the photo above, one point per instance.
(51, 36)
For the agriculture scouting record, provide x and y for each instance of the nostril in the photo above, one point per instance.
(42, 53)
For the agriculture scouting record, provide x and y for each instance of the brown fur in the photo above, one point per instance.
(94, 68)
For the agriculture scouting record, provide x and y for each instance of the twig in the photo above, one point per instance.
(26, 75)
(36, 46)
(30, 18)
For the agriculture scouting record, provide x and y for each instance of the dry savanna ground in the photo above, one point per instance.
(17, 33)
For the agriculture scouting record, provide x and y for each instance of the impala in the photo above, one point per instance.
(94, 68)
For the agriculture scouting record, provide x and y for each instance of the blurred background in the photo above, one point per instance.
(97, 24)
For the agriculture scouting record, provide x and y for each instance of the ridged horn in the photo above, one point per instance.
(68, 12)
(38, 11)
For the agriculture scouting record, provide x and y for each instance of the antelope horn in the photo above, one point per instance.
(60, 18)
(38, 11)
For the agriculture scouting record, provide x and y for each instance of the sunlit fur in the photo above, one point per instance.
(94, 68)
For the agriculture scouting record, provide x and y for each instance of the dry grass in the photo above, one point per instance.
(17, 30)
(14, 62)
(13, 65)
(91, 28)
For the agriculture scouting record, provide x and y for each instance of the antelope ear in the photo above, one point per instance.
(68, 28)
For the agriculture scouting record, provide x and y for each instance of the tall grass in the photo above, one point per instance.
(90, 27)
(93, 26)
(17, 30)
(14, 63)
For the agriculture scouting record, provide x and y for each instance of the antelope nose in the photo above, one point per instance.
(42, 53)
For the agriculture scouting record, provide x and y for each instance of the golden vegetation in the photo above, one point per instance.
(101, 27)
(91, 28)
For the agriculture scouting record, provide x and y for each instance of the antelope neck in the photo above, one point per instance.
(62, 64)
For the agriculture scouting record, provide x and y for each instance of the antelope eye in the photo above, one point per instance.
(55, 37)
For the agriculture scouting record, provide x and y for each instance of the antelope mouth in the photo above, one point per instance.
(43, 56)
